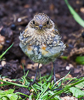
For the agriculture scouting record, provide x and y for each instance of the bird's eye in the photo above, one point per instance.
(33, 22)
(48, 22)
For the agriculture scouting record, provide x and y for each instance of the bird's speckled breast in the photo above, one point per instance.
(44, 53)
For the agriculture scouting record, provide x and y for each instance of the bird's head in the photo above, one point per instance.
(41, 22)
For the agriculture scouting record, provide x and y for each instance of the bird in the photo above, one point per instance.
(41, 41)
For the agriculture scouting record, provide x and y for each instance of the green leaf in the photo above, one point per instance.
(4, 98)
(67, 87)
(10, 91)
(75, 15)
(21, 94)
(3, 84)
(80, 60)
(36, 87)
(45, 96)
(1, 93)
(45, 90)
(9, 95)
(12, 96)
(30, 97)
(49, 79)
(64, 57)
(80, 85)
(77, 92)
(5, 51)
(56, 96)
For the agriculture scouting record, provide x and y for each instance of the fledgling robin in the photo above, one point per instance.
(41, 41)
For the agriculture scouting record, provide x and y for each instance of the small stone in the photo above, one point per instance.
(31, 90)
(29, 66)
(52, 7)
(1, 67)
(3, 63)
(2, 39)
(13, 26)
(23, 61)
(1, 47)
(2, 32)
(8, 41)
(82, 9)
(82, 35)
(19, 19)
(30, 10)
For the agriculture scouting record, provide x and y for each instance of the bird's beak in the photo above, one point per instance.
(40, 26)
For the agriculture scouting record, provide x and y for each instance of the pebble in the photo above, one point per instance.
(82, 35)
(19, 19)
(8, 41)
(2, 41)
(3, 63)
(2, 32)
(13, 26)
(1, 47)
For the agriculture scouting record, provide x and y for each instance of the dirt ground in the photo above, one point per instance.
(15, 15)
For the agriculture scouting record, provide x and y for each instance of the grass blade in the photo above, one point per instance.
(11, 83)
(5, 51)
(80, 60)
(66, 88)
(75, 15)
(44, 90)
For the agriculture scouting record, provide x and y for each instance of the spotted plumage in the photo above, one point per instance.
(40, 40)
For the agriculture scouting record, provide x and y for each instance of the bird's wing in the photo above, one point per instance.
(56, 30)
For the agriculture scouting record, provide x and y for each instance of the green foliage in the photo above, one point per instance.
(9, 95)
(68, 86)
(80, 85)
(11, 83)
(80, 60)
(77, 92)
(64, 57)
(75, 15)
(5, 52)
(24, 79)
(45, 89)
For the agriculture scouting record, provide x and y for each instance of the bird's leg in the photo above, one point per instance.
(35, 76)
(36, 73)
(55, 78)
(54, 72)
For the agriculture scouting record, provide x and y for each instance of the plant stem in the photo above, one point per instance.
(11, 83)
